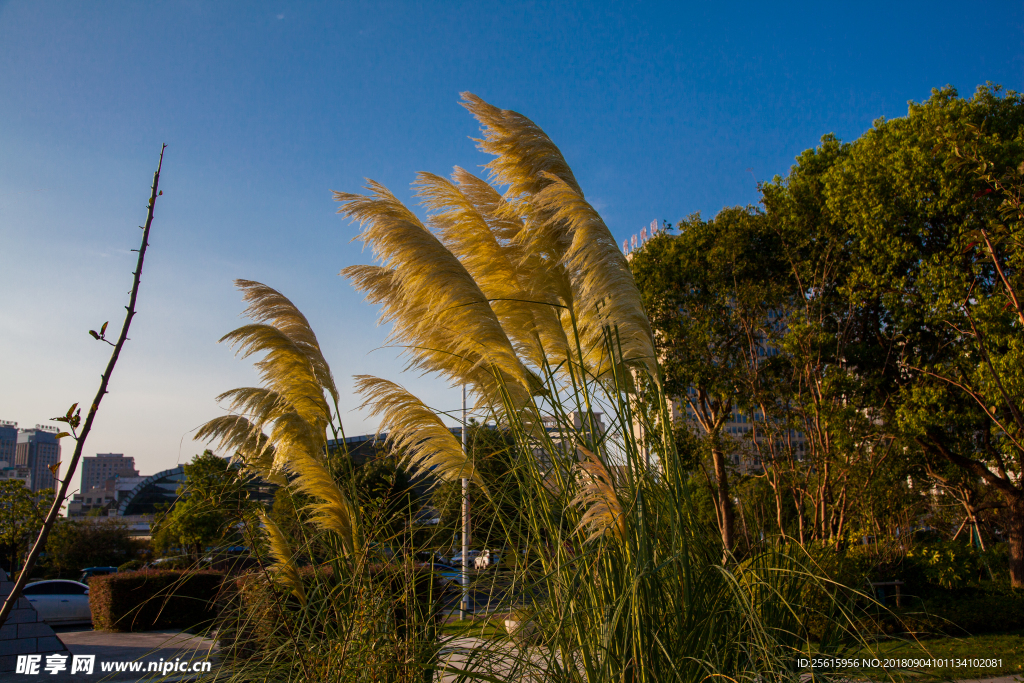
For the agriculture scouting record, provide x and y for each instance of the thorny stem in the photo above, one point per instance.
(59, 498)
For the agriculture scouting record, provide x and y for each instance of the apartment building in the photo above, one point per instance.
(38, 450)
(97, 469)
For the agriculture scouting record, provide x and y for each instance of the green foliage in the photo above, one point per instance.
(882, 283)
(712, 294)
(151, 599)
(495, 516)
(385, 493)
(21, 514)
(212, 504)
(947, 564)
(72, 546)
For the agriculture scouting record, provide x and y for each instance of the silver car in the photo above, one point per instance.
(60, 601)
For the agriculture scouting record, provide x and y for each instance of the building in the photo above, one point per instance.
(8, 440)
(103, 498)
(97, 469)
(22, 474)
(152, 493)
(38, 449)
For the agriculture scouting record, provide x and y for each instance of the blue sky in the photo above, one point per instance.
(662, 109)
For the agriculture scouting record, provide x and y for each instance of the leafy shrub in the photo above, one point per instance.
(72, 546)
(947, 564)
(164, 563)
(153, 599)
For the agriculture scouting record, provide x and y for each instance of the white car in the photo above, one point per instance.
(60, 601)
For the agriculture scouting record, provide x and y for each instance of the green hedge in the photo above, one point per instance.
(154, 599)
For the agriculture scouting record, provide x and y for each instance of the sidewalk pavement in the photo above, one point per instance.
(150, 646)
(153, 646)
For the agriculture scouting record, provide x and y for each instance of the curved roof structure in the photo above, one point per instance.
(161, 487)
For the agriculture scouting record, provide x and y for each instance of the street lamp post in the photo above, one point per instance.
(465, 513)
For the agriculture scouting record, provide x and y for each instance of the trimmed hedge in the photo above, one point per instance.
(154, 599)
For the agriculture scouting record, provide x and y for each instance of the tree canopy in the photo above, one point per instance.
(882, 280)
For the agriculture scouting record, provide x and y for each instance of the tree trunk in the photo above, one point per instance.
(725, 508)
(1016, 541)
(801, 520)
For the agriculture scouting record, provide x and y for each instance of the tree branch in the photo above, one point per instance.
(59, 498)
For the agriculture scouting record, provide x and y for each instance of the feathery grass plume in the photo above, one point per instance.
(483, 244)
(236, 434)
(523, 153)
(416, 431)
(546, 284)
(265, 408)
(285, 368)
(454, 309)
(430, 347)
(291, 406)
(580, 256)
(267, 305)
(606, 294)
(331, 510)
(603, 514)
(284, 559)
(465, 233)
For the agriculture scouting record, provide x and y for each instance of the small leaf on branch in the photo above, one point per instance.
(54, 468)
(61, 435)
(103, 330)
(94, 334)
(72, 409)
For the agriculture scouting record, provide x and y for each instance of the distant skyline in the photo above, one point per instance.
(661, 109)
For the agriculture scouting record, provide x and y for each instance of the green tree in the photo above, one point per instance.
(711, 293)
(212, 502)
(21, 515)
(496, 516)
(932, 258)
(73, 546)
(386, 495)
(833, 370)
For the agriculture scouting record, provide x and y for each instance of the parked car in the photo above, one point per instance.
(59, 601)
(90, 572)
(457, 558)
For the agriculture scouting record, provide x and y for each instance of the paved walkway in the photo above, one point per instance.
(155, 647)
(172, 646)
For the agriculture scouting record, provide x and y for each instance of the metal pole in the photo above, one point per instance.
(465, 514)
